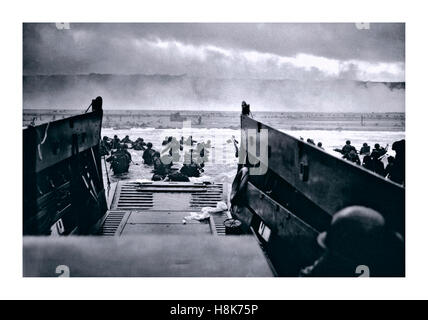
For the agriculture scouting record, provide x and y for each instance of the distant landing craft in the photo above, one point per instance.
(177, 117)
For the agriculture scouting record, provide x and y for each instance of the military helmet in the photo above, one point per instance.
(355, 232)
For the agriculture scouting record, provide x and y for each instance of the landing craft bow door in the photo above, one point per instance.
(62, 167)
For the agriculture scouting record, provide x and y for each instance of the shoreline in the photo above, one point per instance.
(295, 121)
(356, 129)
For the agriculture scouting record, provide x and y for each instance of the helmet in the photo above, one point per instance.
(377, 145)
(149, 145)
(356, 232)
(348, 142)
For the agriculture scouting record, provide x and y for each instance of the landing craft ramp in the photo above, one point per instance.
(161, 207)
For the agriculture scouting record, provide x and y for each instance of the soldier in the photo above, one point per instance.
(347, 148)
(352, 156)
(358, 236)
(148, 154)
(108, 142)
(376, 155)
(365, 149)
(192, 169)
(398, 170)
(120, 160)
(310, 141)
(378, 151)
(178, 176)
(139, 144)
(389, 167)
(123, 149)
(104, 147)
(116, 142)
(378, 166)
(245, 108)
(126, 140)
(159, 169)
(368, 163)
(319, 145)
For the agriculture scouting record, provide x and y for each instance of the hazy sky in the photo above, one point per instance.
(262, 51)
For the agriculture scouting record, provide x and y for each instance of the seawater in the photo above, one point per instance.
(222, 163)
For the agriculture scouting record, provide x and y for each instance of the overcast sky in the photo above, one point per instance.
(263, 51)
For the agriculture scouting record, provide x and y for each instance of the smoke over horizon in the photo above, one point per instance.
(332, 67)
(197, 93)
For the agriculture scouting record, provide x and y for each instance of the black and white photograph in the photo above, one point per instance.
(213, 149)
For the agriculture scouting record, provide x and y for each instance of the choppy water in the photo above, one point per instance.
(222, 163)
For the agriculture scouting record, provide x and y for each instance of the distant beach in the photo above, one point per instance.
(164, 119)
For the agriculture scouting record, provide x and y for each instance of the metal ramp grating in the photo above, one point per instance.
(132, 198)
(147, 207)
(112, 223)
(160, 196)
(213, 194)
